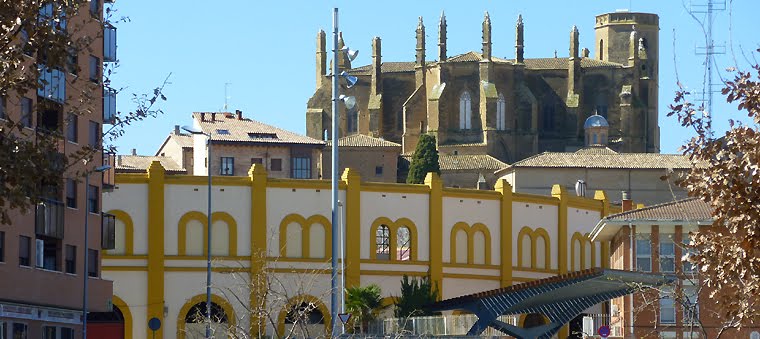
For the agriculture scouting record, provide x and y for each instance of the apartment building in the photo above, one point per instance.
(654, 239)
(42, 252)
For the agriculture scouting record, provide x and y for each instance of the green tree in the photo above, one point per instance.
(416, 294)
(424, 160)
(362, 303)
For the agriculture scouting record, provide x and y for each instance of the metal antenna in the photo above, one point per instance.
(710, 49)
(226, 85)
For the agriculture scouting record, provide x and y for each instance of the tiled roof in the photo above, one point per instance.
(687, 209)
(361, 140)
(227, 127)
(561, 63)
(183, 140)
(140, 163)
(606, 158)
(595, 150)
(451, 162)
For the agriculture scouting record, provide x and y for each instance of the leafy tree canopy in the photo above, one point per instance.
(424, 160)
(416, 294)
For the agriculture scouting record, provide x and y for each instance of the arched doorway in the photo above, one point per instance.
(106, 325)
(195, 321)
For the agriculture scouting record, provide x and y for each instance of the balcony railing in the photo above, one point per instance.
(49, 218)
(52, 84)
(108, 232)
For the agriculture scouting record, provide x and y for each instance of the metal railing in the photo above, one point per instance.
(448, 325)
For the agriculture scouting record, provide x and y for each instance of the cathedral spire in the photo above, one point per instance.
(419, 68)
(487, 37)
(574, 42)
(442, 38)
(321, 58)
(519, 46)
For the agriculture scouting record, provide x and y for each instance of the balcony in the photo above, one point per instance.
(109, 43)
(109, 105)
(49, 218)
(52, 84)
(108, 232)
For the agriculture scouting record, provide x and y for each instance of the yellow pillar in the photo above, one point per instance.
(435, 220)
(353, 226)
(602, 197)
(559, 191)
(258, 176)
(503, 187)
(155, 302)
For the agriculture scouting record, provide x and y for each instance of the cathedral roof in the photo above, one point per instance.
(361, 140)
(595, 149)
(601, 158)
(226, 127)
(562, 63)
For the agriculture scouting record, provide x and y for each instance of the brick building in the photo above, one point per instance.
(42, 253)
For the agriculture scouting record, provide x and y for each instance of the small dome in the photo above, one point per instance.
(595, 120)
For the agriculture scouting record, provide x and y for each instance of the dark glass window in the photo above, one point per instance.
(94, 68)
(72, 127)
(95, 8)
(71, 193)
(92, 263)
(378, 171)
(403, 244)
(71, 259)
(548, 115)
(228, 166)
(24, 250)
(257, 161)
(276, 165)
(2, 246)
(94, 135)
(20, 331)
(26, 112)
(3, 114)
(93, 197)
(301, 167)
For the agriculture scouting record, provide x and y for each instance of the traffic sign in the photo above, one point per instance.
(604, 331)
(154, 324)
(344, 317)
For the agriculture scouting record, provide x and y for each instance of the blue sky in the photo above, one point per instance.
(265, 50)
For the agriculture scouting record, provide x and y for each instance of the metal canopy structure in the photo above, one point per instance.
(560, 299)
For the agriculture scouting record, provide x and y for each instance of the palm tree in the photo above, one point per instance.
(362, 303)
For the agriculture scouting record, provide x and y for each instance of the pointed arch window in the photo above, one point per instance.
(465, 110)
(501, 115)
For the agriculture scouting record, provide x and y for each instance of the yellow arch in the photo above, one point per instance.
(118, 302)
(393, 227)
(201, 217)
(470, 231)
(534, 235)
(129, 230)
(305, 232)
(584, 240)
(226, 306)
(301, 299)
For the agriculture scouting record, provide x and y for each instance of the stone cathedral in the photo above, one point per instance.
(510, 109)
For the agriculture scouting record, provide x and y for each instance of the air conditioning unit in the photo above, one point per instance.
(40, 253)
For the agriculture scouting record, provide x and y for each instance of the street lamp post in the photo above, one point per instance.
(85, 273)
(194, 131)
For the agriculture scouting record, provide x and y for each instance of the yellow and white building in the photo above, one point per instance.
(466, 240)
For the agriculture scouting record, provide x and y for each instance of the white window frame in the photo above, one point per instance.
(465, 110)
(690, 302)
(641, 237)
(501, 115)
(666, 240)
(688, 267)
(667, 307)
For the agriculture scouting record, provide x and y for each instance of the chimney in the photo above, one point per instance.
(213, 117)
(482, 185)
(118, 160)
(203, 116)
(176, 130)
(586, 52)
(134, 151)
(239, 114)
(627, 202)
